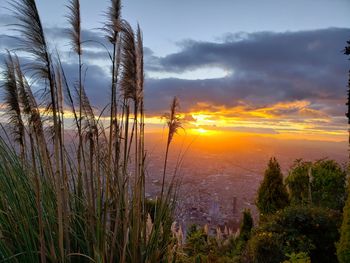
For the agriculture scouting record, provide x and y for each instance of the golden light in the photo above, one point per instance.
(201, 131)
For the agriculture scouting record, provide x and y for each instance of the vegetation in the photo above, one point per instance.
(272, 194)
(298, 183)
(87, 204)
(310, 230)
(343, 247)
(197, 244)
(301, 257)
(321, 183)
(301, 232)
(246, 225)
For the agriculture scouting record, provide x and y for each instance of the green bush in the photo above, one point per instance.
(298, 182)
(328, 184)
(196, 242)
(325, 188)
(296, 229)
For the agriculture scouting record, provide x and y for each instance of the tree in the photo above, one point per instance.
(321, 183)
(296, 229)
(272, 194)
(328, 184)
(246, 225)
(343, 247)
(298, 182)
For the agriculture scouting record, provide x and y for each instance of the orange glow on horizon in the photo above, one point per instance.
(201, 131)
(282, 120)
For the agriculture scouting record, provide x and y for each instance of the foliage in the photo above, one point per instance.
(301, 257)
(321, 183)
(265, 247)
(343, 246)
(201, 247)
(246, 225)
(298, 182)
(196, 241)
(272, 194)
(296, 229)
(328, 184)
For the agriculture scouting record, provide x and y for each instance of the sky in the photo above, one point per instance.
(268, 68)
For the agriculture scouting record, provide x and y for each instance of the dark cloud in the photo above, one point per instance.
(96, 77)
(266, 68)
(296, 51)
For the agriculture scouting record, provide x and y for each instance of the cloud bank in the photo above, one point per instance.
(264, 69)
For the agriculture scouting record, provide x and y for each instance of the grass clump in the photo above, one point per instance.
(87, 204)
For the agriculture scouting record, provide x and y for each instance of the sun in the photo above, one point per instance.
(201, 131)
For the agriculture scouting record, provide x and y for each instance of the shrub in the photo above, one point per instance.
(296, 229)
(321, 183)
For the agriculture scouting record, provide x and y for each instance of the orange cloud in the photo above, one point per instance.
(284, 119)
(288, 120)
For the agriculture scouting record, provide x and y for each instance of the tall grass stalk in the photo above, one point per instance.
(87, 204)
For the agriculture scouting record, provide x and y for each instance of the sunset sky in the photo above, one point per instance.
(273, 70)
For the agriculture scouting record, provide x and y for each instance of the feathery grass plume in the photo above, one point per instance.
(112, 26)
(139, 145)
(33, 39)
(174, 123)
(105, 221)
(12, 102)
(138, 221)
(139, 104)
(34, 119)
(75, 22)
(129, 63)
(34, 42)
(27, 110)
(139, 64)
(112, 30)
(64, 182)
(35, 124)
(160, 240)
(89, 132)
(128, 92)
